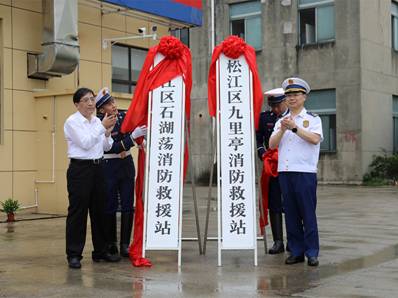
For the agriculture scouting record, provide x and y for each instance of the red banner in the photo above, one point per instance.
(192, 3)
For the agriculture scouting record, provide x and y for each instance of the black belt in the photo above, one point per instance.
(87, 161)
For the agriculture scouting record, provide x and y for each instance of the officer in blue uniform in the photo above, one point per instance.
(298, 136)
(119, 171)
(276, 101)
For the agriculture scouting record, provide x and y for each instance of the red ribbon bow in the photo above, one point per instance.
(234, 47)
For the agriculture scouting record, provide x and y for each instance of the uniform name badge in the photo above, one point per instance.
(306, 123)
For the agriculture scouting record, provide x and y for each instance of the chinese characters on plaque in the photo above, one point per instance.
(165, 166)
(236, 154)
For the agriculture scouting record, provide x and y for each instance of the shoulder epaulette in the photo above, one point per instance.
(312, 114)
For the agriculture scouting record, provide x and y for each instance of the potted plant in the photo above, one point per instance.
(9, 206)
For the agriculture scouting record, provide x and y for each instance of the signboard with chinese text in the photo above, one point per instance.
(166, 149)
(236, 154)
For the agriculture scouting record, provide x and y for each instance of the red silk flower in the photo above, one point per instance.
(233, 47)
(171, 47)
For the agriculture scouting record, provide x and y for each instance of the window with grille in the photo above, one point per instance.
(323, 103)
(316, 21)
(245, 22)
(127, 62)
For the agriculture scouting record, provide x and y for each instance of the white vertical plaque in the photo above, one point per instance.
(236, 154)
(165, 167)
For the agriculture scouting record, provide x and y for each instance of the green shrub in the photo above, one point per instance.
(10, 206)
(382, 170)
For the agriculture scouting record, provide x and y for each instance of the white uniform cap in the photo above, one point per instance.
(275, 95)
(102, 97)
(291, 85)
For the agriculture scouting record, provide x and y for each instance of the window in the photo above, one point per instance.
(395, 122)
(182, 34)
(317, 21)
(323, 103)
(126, 66)
(394, 25)
(245, 22)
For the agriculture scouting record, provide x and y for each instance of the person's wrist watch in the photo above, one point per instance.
(294, 129)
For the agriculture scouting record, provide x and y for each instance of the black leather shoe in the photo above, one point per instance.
(313, 261)
(277, 248)
(124, 250)
(277, 233)
(126, 225)
(74, 263)
(112, 249)
(107, 257)
(294, 260)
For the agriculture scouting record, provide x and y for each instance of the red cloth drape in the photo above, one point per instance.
(176, 62)
(270, 169)
(135, 249)
(233, 47)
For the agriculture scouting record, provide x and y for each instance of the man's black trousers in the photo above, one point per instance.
(86, 189)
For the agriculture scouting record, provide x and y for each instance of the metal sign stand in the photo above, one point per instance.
(212, 163)
(184, 125)
(181, 179)
(209, 197)
(262, 213)
(193, 185)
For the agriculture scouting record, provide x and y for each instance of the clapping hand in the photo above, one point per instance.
(288, 123)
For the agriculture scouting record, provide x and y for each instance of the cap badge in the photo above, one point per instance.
(290, 81)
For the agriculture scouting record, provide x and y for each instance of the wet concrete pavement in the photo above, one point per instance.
(359, 258)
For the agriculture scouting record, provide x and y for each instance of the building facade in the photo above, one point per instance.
(33, 159)
(346, 50)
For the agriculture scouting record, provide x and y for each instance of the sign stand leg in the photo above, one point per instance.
(262, 214)
(220, 231)
(195, 204)
(253, 164)
(212, 157)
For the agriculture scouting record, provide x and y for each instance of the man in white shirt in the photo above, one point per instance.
(298, 136)
(87, 138)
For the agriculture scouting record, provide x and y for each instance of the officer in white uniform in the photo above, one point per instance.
(298, 136)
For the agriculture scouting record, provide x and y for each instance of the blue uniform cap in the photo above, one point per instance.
(102, 97)
(276, 95)
(292, 85)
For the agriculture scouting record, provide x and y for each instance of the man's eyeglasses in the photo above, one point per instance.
(87, 99)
